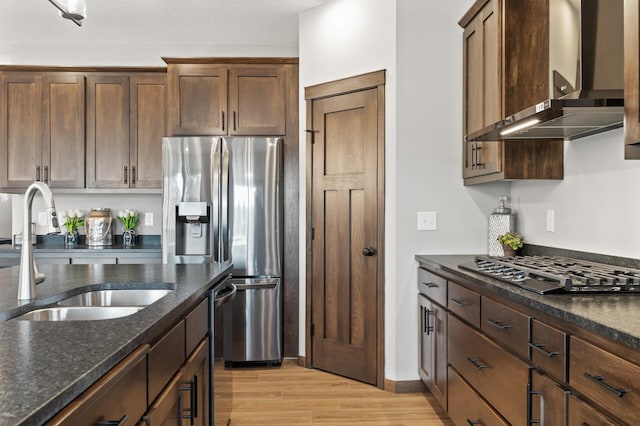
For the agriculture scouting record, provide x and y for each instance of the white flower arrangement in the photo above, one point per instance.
(74, 219)
(129, 218)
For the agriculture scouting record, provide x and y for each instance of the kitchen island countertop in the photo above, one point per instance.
(44, 365)
(616, 317)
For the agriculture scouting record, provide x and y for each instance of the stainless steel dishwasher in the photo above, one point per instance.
(253, 323)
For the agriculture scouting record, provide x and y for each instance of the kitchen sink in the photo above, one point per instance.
(79, 313)
(120, 297)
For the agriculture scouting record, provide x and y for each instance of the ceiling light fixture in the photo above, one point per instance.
(74, 10)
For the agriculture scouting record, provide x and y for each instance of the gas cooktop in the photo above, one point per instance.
(545, 275)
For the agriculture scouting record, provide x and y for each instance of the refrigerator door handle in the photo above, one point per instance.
(215, 199)
(225, 255)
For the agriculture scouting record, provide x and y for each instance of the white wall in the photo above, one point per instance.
(597, 204)
(419, 44)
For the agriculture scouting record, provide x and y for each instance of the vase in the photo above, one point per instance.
(71, 238)
(508, 251)
(129, 237)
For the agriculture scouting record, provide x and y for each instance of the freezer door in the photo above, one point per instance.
(252, 213)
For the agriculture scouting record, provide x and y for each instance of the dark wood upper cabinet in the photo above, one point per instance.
(222, 99)
(631, 80)
(41, 129)
(493, 75)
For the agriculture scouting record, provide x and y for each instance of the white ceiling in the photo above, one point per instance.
(29, 25)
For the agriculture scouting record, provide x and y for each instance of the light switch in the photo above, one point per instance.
(427, 221)
(148, 219)
(551, 220)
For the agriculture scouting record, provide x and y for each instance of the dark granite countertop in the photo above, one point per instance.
(55, 244)
(45, 365)
(616, 317)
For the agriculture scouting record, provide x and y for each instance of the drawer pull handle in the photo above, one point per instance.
(498, 324)
(538, 347)
(600, 380)
(477, 363)
(473, 423)
(459, 302)
(431, 285)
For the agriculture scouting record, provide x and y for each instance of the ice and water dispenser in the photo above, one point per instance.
(193, 230)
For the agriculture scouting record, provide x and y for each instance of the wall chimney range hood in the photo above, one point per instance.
(582, 57)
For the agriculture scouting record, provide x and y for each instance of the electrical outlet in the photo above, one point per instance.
(427, 221)
(551, 220)
(148, 219)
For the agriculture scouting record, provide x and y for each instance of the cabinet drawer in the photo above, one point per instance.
(165, 358)
(432, 286)
(167, 409)
(466, 407)
(581, 414)
(605, 378)
(464, 303)
(506, 326)
(197, 324)
(549, 350)
(498, 376)
(119, 393)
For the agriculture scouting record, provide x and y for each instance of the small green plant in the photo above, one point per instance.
(512, 240)
(74, 220)
(129, 218)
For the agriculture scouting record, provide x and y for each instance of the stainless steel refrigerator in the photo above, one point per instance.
(222, 201)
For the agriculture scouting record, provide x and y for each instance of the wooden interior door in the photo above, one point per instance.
(346, 219)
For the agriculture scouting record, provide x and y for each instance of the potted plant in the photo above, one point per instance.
(74, 219)
(511, 242)
(129, 219)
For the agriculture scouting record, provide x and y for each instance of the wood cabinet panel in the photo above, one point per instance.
(196, 325)
(466, 407)
(196, 386)
(20, 129)
(120, 393)
(433, 348)
(63, 144)
(464, 303)
(605, 378)
(166, 410)
(257, 100)
(506, 326)
(148, 127)
(197, 99)
(432, 286)
(549, 350)
(581, 414)
(108, 131)
(164, 359)
(497, 375)
(548, 401)
(631, 80)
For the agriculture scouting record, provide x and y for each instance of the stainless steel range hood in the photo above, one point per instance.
(584, 79)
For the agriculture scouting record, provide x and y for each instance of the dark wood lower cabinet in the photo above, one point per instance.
(196, 386)
(581, 414)
(548, 401)
(167, 409)
(466, 407)
(433, 348)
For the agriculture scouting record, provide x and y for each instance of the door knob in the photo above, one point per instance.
(369, 251)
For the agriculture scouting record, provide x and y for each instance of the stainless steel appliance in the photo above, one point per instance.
(544, 274)
(223, 202)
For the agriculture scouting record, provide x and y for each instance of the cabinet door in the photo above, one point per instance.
(433, 348)
(148, 126)
(257, 100)
(20, 129)
(581, 414)
(631, 80)
(63, 131)
(196, 386)
(197, 99)
(548, 401)
(107, 131)
(166, 410)
(482, 62)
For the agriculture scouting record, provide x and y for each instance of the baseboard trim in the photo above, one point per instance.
(404, 386)
(302, 361)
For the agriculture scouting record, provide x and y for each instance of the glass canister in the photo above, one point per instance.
(98, 227)
(501, 221)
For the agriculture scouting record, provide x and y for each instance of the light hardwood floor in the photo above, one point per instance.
(293, 395)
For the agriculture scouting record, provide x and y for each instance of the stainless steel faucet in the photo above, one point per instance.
(28, 272)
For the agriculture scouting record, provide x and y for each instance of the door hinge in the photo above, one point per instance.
(312, 329)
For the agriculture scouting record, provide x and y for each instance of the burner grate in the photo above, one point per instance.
(544, 274)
